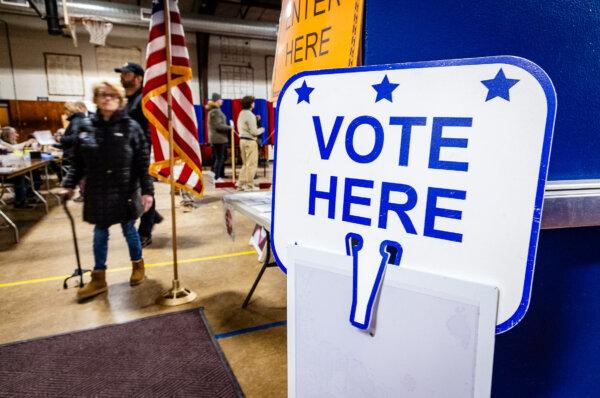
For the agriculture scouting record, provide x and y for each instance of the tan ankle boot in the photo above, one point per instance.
(96, 286)
(137, 273)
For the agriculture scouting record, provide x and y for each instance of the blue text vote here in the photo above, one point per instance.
(339, 196)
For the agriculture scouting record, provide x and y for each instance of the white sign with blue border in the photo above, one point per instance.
(434, 166)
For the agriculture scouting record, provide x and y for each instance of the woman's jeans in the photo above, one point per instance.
(101, 244)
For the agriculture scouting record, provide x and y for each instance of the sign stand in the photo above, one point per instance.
(434, 336)
(394, 169)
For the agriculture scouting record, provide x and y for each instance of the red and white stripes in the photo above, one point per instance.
(188, 169)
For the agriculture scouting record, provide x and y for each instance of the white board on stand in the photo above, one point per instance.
(433, 166)
(434, 336)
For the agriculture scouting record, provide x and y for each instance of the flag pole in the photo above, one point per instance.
(176, 295)
(233, 154)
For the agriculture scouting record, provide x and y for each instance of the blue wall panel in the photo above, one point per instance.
(555, 350)
(561, 36)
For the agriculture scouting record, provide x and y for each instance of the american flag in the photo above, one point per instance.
(188, 166)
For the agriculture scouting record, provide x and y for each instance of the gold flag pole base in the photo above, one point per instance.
(176, 296)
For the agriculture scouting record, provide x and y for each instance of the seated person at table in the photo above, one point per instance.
(8, 141)
(9, 138)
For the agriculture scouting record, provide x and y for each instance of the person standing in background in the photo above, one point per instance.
(77, 115)
(132, 79)
(218, 135)
(79, 121)
(249, 132)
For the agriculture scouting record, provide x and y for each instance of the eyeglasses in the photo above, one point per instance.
(108, 95)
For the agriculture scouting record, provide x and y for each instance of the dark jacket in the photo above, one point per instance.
(114, 159)
(78, 122)
(133, 108)
(218, 129)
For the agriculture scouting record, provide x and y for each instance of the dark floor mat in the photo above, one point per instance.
(171, 355)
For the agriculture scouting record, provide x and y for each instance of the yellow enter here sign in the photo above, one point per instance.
(316, 34)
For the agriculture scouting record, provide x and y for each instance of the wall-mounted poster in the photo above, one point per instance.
(64, 74)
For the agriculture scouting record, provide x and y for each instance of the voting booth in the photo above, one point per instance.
(400, 254)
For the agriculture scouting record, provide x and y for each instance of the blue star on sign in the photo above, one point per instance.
(499, 86)
(304, 92)
(384, 89)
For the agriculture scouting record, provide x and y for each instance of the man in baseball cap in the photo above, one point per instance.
(132, 79)
(132, 67)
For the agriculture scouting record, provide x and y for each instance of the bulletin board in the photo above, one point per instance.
(64, 74)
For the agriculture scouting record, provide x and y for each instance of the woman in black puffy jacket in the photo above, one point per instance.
(114, 159)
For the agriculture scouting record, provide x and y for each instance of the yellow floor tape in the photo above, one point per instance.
(162, 264)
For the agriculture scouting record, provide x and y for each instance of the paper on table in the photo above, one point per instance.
(44, 137)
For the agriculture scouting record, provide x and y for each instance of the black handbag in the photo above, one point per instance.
(135, 208)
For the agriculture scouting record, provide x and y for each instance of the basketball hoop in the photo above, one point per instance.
(73, 32)
(98, 30)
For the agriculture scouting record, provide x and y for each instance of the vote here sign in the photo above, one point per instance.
(433, 166)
